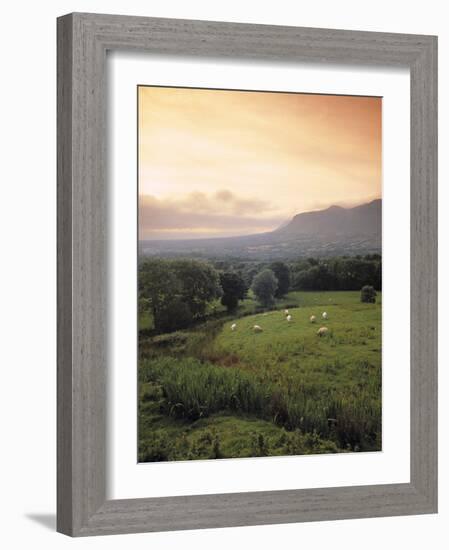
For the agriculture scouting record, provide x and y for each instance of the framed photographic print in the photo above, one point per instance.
(247, 280)
(260, 312)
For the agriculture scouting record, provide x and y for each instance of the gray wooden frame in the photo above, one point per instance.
(83, 40)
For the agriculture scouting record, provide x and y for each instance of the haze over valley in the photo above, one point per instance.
(333, 231)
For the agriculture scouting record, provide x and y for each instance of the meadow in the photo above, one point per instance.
(212, 392)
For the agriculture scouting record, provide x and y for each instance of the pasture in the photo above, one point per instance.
(213, 392)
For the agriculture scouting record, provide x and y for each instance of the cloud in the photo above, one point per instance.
(222, 201)
(198, 215)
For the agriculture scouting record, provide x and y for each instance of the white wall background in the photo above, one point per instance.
(27, 272)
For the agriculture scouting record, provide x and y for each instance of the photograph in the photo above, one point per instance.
(259, 274)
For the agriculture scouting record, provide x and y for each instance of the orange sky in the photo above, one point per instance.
(219, 163)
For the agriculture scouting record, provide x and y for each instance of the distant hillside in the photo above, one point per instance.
(334, 231)
(365, 219)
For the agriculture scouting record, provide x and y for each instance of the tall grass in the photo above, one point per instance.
(194, 389)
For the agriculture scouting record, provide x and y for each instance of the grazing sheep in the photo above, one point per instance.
(322, 331)
(324, 316)
(289, 318)
(233, 326)
(257, 328)
(286, 312)
(312, 318)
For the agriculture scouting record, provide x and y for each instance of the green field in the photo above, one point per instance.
(210, 392)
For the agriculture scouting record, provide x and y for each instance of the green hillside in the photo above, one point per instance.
(211, 392)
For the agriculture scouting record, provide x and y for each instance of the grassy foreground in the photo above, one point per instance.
(211, 392)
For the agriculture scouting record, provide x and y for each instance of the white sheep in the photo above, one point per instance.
(324, 315)
(322, 331)
(257, 328)
(289, 318)
(286, 312)
(312, 318)
(233, 326)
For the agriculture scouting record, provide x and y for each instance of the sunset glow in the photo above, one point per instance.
(221, 163)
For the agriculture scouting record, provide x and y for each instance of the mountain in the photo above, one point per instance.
(334, 231)
(365, 219)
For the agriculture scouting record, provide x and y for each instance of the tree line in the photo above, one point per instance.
(178, 292)
(337, 273)
(342, 273)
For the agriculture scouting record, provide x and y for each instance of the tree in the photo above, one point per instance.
(248, 275)
(317, 277)
(264, 287)
(234, 289)
(200, 284)
(339, 273)
(176, 291)
(368, 294)
(158, 287)
(282, 274)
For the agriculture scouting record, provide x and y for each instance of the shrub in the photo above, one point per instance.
(173, 316)
(368, 294)
(259, 445)
(156, 448)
